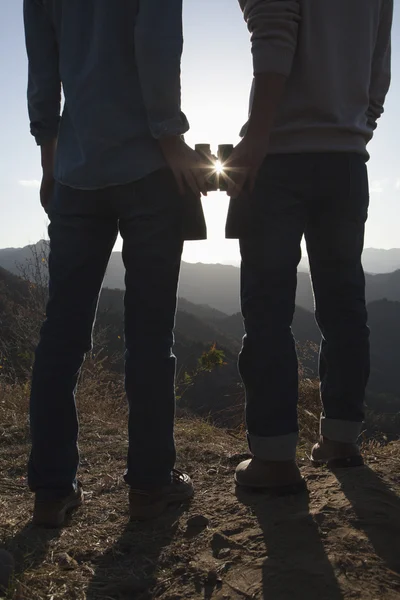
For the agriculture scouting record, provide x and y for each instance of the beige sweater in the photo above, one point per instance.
(336, 55)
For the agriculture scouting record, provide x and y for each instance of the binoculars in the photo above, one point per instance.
(217, 177)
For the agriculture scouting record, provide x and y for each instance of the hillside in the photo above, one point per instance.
(21, 314)
(198, 327)
(384, 319)
(214, 285)
(375, 260)
(218, 285)
(340, 541)
(12, 288)
(17, 313)
(384, 286)
(304, 326)
(384, 323)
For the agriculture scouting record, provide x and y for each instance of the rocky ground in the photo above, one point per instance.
(339, 541)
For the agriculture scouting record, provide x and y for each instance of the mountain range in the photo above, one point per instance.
(218, 285)
(198, 327)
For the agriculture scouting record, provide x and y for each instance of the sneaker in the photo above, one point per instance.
(148, 504)
(278, 477)
(336, 455)
(52, 513)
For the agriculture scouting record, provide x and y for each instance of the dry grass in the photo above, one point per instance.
(52, 565)
(100, 555)
(309, 413)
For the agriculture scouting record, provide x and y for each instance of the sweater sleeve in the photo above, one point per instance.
(274, 26)
(381, 66)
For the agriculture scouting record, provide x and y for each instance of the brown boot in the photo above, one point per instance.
(148, 504)
(279, 477)
(51, 514)
(336, 455)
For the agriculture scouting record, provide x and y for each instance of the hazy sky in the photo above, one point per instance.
(216, 81)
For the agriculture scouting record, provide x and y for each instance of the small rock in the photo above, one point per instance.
(196, 525)
(223, 553)
(88, 570)
(66, 562)
(225, 567)
(198, 521)
(7, 566)
(236, 458)
(212, 472)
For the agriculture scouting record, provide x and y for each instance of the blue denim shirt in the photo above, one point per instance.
(118, 64)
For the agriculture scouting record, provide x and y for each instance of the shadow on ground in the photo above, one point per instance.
(30, 547)
(296, 564)
(377, 511)
(132, 567)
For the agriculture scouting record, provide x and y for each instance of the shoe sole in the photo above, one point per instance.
(59, 521)
(281, 490)
(156, 509)
(339, 463)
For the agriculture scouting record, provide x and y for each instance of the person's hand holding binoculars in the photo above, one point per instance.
(186, 165)
(244, 165)
(232, 170)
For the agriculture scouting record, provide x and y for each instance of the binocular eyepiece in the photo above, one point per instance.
(217, 177)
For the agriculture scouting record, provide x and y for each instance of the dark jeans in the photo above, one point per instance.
(83, 230)
(324, 197)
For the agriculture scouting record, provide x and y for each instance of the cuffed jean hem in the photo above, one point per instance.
(336, 430)
(277, 448)
(53, 495)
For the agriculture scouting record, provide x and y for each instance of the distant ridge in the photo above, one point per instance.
(217, 286)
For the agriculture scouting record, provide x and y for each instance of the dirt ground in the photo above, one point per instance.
(341, 540)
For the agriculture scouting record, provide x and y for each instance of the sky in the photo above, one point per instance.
(216, 79)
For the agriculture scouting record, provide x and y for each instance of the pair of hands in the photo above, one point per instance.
(248, 156)
(190, 170)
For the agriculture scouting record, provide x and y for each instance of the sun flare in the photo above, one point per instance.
(219, 167)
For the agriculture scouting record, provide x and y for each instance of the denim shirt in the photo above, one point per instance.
(118, 65)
